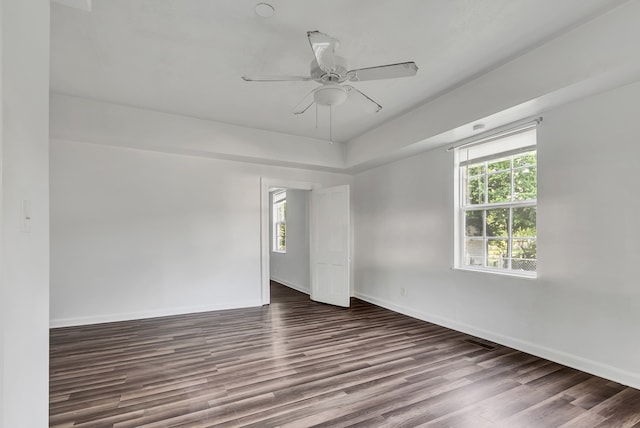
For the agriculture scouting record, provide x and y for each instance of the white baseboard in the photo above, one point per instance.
(100, 319)
(296, 287)
(593, 367)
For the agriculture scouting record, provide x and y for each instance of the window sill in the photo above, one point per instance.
(279, 252)
(532, 275)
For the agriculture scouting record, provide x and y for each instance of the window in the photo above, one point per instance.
(280, 222)
(496, 213)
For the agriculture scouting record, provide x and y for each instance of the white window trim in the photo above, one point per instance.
(460, 209)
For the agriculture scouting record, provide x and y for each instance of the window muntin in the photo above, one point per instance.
(279, 222)
(497, 206)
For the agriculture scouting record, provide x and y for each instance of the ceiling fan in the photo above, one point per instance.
(331, 71)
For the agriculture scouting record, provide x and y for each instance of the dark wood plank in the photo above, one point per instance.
(298, 363)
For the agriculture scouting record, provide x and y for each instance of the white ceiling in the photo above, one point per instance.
(187, 56)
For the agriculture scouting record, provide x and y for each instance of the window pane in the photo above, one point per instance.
(524, 222)
(524, 254)
(497, 250)
(280, 209)
(473, 252)
(498, 222)
(477, 169)
(524, 249)
(473, 223)
(475, 191)
(499, 165)
(281, 236)
(499, 187)
(525, 186)
(524, 159)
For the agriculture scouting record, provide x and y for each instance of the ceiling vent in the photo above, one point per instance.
(489, 346)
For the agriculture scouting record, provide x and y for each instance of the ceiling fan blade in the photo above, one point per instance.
(391, 71)
(275, 78)
(360, 95)
(323, 47)
(306, 102)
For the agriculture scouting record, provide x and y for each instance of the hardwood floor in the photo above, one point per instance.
(298, 363)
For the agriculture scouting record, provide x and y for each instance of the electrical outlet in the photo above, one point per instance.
(403, 291)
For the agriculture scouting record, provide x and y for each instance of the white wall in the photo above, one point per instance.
(292, 268)
(79, 119)
(24, 256)
(584, 308)
(137, 233)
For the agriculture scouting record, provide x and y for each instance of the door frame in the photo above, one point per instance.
(265, 210)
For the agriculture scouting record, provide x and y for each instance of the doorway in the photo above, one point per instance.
(268, 186)
(329, 238)
(289, 259)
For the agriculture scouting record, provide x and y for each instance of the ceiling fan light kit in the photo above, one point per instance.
(330, 95)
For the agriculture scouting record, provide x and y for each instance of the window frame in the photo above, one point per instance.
(279, 198)
(462, 207)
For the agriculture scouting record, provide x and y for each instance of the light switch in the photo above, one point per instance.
(25, 216)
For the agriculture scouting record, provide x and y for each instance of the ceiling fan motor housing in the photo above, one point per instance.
(338, 75)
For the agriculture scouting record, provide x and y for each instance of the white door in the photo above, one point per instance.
(330, 263)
